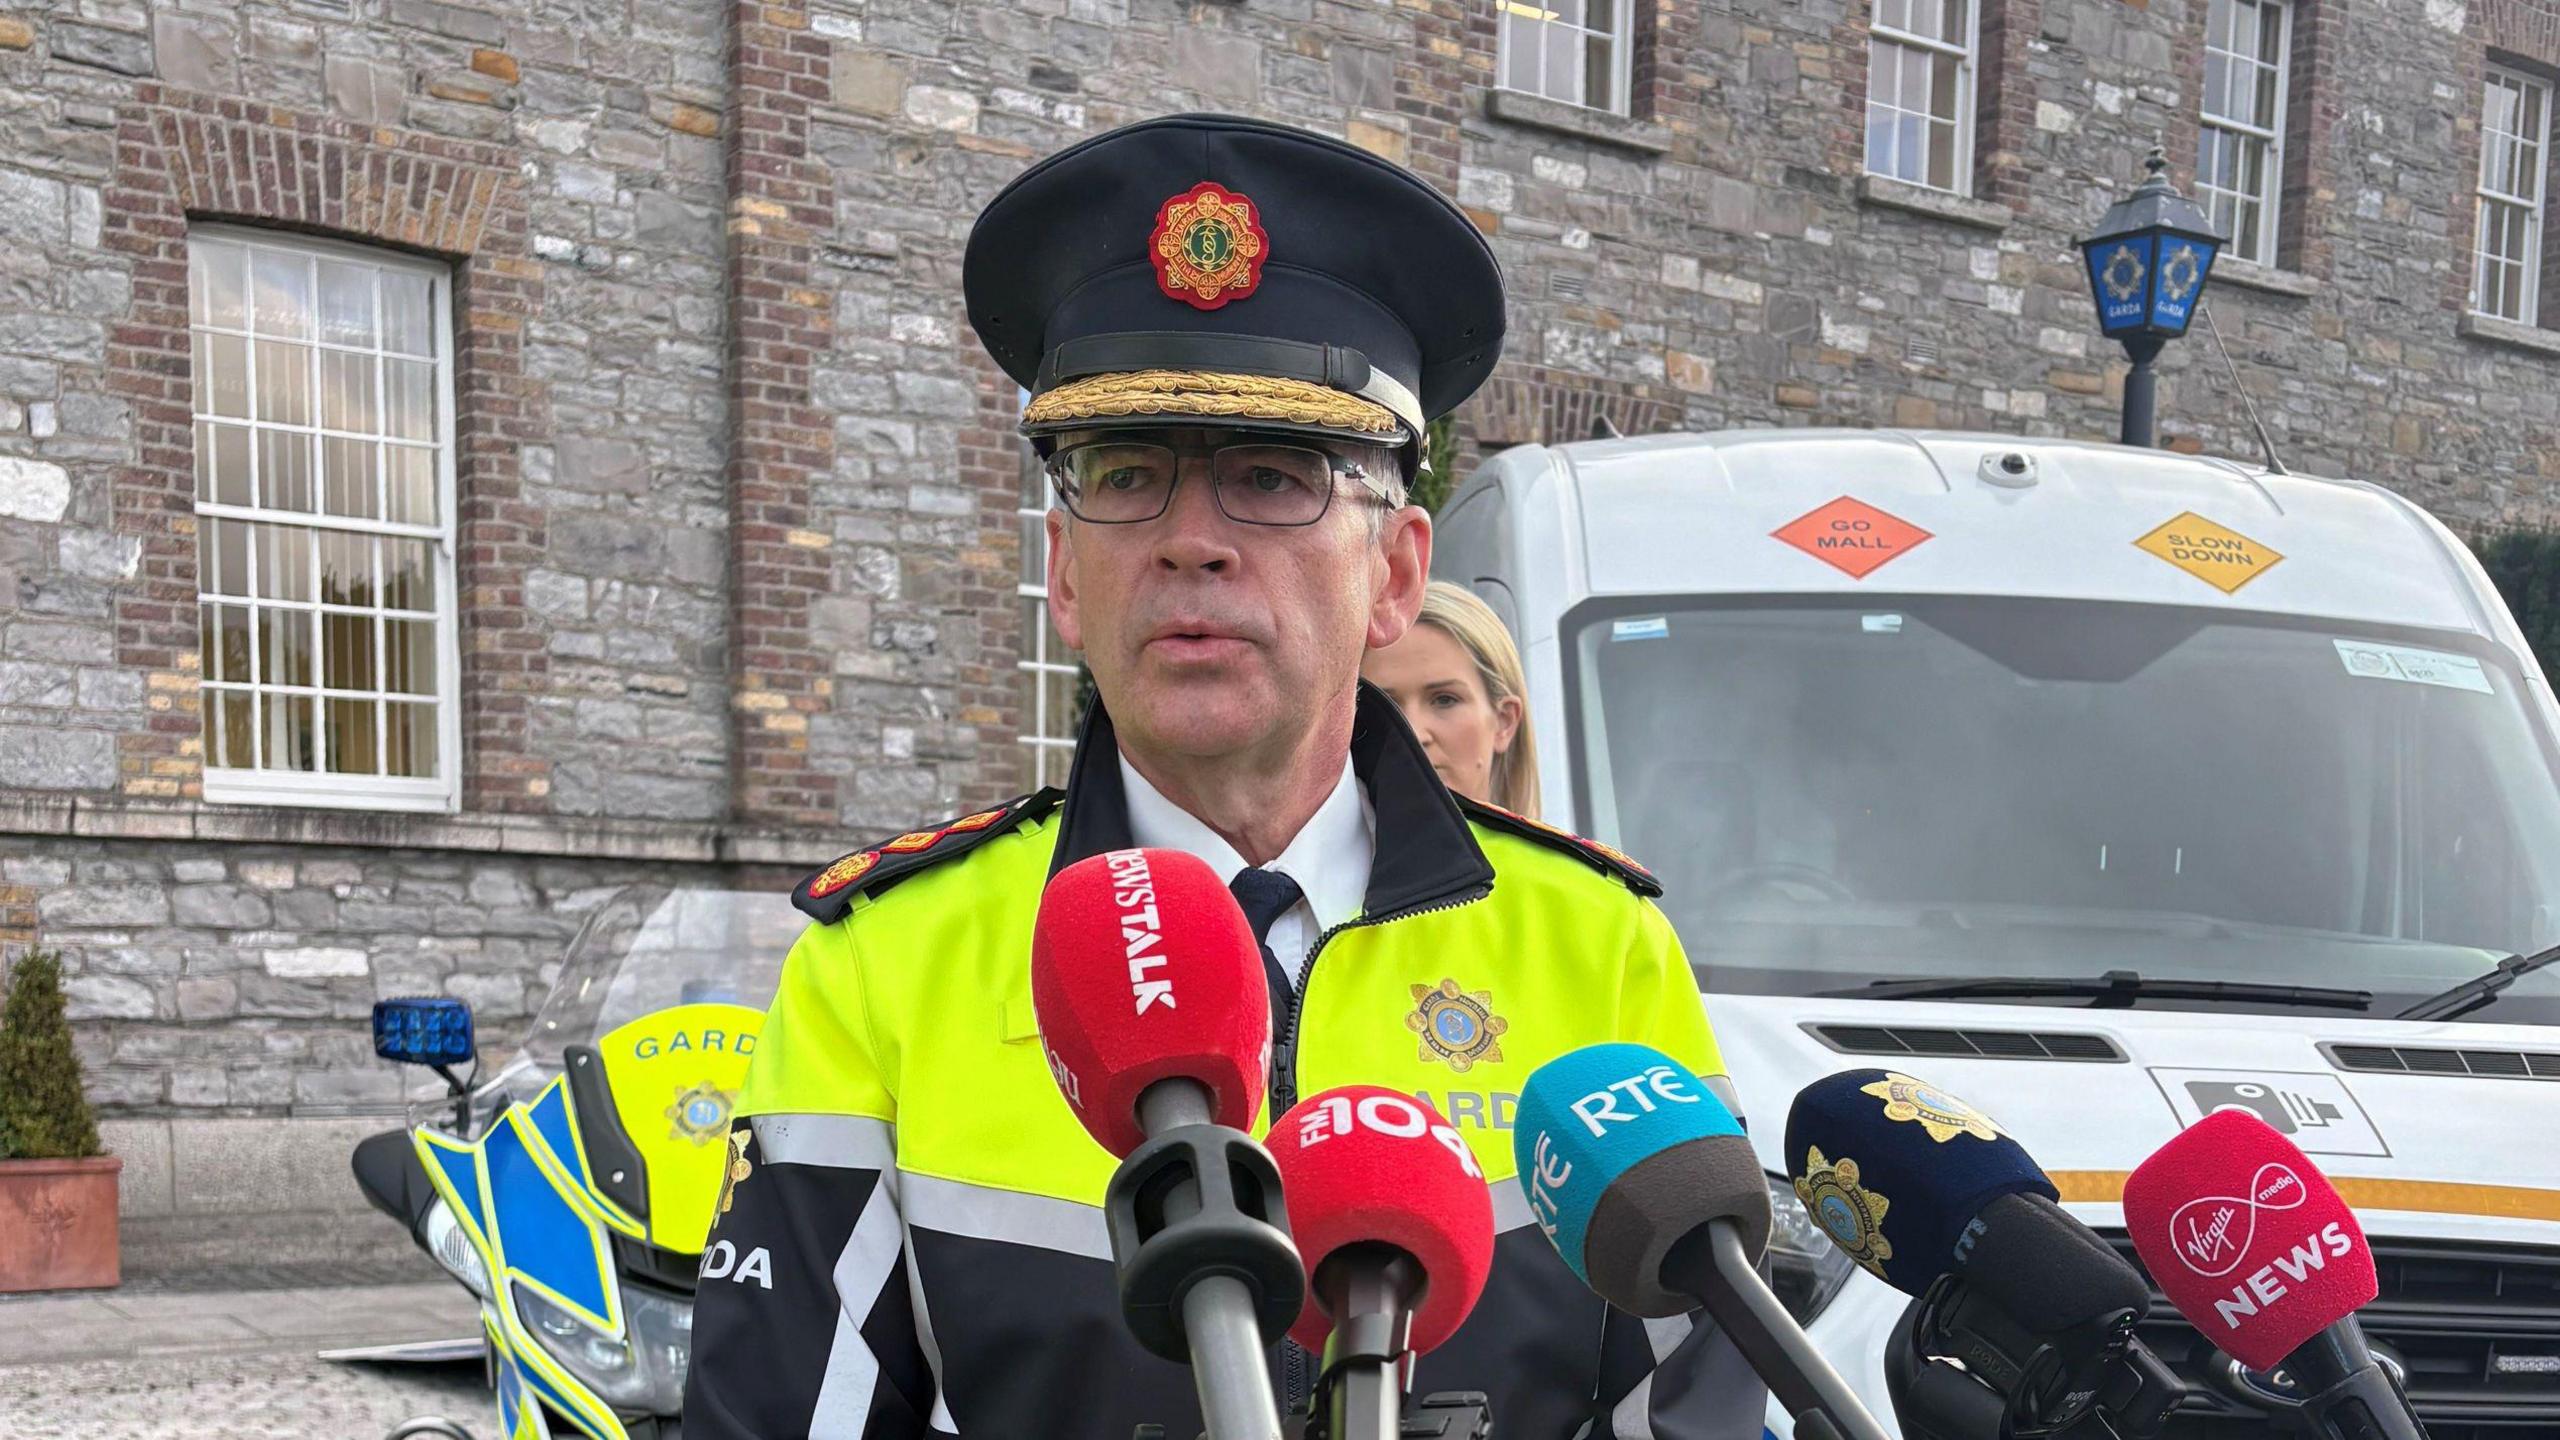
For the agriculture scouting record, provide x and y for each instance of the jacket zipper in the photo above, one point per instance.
(1297, 1383)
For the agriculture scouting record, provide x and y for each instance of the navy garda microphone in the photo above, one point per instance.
(1645, 1184)
(1930, 1195)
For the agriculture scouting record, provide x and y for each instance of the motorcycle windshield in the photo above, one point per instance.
(642, 950)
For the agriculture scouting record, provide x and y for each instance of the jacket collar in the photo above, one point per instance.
(1426, 852)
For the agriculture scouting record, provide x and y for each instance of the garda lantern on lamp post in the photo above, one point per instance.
(2148, 263)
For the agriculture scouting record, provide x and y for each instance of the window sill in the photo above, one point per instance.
(415, 797)
(2266, 279)
(119, 818)
(1579, 121)
(1893, 194)
(2491, 330)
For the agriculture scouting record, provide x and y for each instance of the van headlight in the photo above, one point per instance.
(454, 1251)
(642, 1372)
(1806, 1269)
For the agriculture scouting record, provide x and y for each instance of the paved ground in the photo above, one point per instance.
(187, 1361)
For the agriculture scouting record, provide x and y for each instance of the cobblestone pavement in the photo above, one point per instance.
(230, 1365)
(258, 1396)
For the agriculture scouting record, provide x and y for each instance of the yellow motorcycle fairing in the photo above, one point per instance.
(674, 1076)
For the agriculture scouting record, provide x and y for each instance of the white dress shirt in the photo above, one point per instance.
(1329, 857)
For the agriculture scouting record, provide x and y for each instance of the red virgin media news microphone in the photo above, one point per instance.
(1156, 1023)
(2252, 1244)
(1391, 1213)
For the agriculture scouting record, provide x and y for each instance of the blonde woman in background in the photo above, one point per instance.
(1457, 678)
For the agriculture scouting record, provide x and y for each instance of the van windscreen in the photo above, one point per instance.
(1876, 787)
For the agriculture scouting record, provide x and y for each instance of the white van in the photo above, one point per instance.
(2103, 787)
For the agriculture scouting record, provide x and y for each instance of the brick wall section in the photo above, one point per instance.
(1846, 56)
(2005, 103)
(780, 204)
(990, 689)
(2314, 111)
(184, 157)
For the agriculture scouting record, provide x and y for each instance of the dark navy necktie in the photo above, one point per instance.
(1265, 895)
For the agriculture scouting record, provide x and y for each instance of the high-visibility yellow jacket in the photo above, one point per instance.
(930, 1210)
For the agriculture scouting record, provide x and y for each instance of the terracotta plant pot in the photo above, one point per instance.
(58, 1224)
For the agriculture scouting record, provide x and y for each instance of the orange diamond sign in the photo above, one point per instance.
(1852, 536)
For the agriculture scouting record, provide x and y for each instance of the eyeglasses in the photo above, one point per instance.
(1110, 482)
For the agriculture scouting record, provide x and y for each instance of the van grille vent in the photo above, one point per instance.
(2417, 1060)
(1967, 1044)
(2475, 1326)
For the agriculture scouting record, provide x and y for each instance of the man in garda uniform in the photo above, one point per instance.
(1233, 334)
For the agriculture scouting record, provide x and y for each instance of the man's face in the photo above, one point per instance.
(1210, 637)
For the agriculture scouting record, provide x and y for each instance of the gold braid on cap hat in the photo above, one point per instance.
(1191, 392)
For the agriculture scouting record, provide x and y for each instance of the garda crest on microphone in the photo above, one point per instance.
(1941, 1114)
(1851, 1214)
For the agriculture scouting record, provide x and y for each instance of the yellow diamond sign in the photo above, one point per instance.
(2222, 558)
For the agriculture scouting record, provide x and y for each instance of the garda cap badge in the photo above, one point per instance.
(699, 1114)
(1457, 1026)
(1941, 1114)
(1208, 247)
(1848, 1212)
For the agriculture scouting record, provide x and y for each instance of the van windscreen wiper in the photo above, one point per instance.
(2481, 989)
(2116, 989)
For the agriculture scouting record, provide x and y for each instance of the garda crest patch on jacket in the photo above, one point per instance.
(827, 895)
(1606, 858)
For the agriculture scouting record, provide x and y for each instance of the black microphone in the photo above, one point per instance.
(1928, 1194)
(1648, 1189)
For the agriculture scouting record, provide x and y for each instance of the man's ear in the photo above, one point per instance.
(1062, 582)
(1403, 566)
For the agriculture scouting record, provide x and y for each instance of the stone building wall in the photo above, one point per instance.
(737, 544)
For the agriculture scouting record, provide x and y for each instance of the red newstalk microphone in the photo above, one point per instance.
(1391, 1214)
(2255, 1247)
(1144, 970)
(1157, 1025)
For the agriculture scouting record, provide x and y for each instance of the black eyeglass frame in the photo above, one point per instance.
(1339, 467)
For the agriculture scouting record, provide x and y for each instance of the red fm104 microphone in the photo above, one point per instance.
(2255, 1247)
(1157, 1025)
(1143, 970)
(1391, 1213)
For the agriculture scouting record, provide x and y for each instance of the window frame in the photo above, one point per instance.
(2530, 287)
(1621, 59)
(2270, 237)
(325, 789)
(1968, 94)
(1035, 664)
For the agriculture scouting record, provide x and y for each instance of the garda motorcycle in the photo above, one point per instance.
(572, 1190)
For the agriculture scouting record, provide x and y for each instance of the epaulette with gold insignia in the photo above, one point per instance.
(827, 895)
(1608, 858)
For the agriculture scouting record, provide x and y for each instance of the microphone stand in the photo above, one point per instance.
(2347, 1392)
(1370, 1290)
(1207, 1273)
(1822, 1403)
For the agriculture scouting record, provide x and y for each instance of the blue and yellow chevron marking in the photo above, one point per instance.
(512, 1199)
(453, 1168)
(543, 1241)
(555, 1124)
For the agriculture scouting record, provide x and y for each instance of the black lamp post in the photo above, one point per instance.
(2148, 263)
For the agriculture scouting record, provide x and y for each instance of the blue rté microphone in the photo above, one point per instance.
(1645, 1184)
